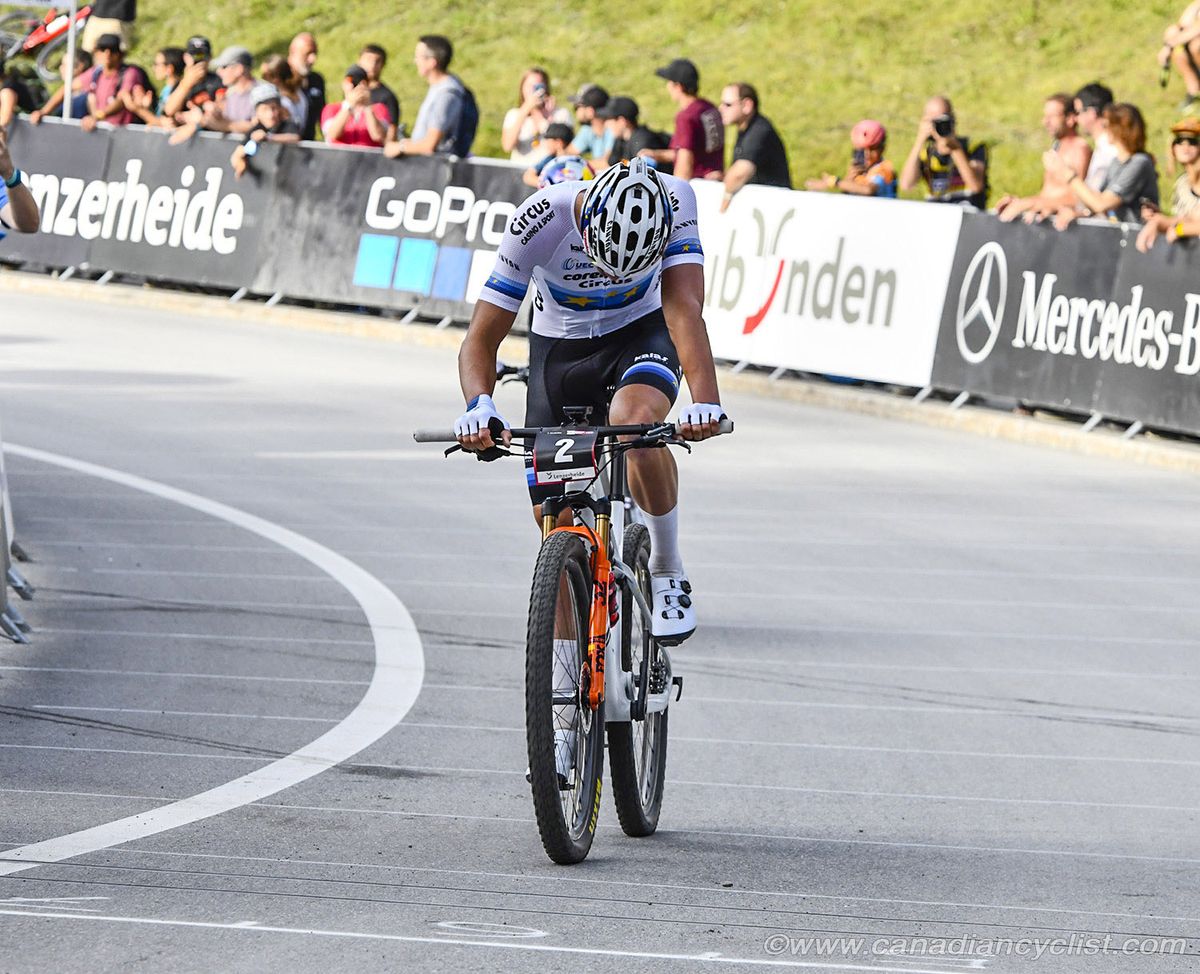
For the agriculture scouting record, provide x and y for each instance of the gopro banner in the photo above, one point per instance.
(821, 283)
(1078, 320)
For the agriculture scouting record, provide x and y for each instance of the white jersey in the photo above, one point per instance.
(573, 298)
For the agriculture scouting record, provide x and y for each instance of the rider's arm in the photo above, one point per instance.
(489, 326)
(683, 307)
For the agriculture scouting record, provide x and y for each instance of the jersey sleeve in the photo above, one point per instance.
(527, 243)
(683, 247)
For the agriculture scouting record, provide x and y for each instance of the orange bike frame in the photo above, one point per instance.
(599, 618)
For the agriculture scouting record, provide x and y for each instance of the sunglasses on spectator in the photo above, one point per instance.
(1192, 140)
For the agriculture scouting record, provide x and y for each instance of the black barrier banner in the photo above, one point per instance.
(64, 169)
(358, 228)
(1075, 319)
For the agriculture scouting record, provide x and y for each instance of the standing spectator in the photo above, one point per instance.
(444, 115)
(168, 71)
(1090, 102)
(270, 125)
(629, 137)
(869, 174)
(1181, 48)
(15, 95)
(524, 125)
(697, 148)
(109, 17)
(1131, 176)
(1059, 121)
(953, 170)
(276, 71)
(355, 120)
(1185, 197)
(18, 210)
(77, 82)
(758, 155)
(113, 80)
(199, 84)
(552, 145)
(302, 55)
(593, 140)
(373, 59)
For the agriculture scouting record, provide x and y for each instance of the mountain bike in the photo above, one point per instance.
(591, 662)
(42, 37)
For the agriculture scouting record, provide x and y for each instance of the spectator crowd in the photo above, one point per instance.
(1097, 163)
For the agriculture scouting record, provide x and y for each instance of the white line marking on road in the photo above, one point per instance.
(496, 944)
(302, 640)
(395, 683)
(229, 677)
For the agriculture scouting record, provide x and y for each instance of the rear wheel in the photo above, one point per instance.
(637, 750)
(565, 737)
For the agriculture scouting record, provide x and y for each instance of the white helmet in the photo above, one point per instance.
(626, 219)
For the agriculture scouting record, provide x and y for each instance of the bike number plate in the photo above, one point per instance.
(562, 455)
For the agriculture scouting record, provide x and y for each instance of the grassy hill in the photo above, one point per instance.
(819, 67)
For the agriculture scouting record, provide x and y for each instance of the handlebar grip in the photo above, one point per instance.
(725, 426)
(435, 436)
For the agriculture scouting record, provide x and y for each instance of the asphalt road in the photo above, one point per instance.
(943, 700)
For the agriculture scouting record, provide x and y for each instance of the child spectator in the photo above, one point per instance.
(552, 145)
(536, 111)
(270, 125)
(1185, 197)
(354, 120)
(869, 174)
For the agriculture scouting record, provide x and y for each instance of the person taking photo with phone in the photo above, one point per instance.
(869, 174)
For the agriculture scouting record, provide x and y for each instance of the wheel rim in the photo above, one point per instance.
(569, 626)
(645, 733)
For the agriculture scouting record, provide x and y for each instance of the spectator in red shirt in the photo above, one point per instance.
(697, 149)
(354, 120)
(115, 78)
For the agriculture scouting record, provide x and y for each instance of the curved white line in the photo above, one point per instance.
(395, 683)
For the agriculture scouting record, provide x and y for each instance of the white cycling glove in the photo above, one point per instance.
(479, 415)
(701, 412)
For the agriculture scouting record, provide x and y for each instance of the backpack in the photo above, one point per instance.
(468, 123)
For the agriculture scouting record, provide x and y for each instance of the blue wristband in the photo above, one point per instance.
(474, 402)
(16, 178)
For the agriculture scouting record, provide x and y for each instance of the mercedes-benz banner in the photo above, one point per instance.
(821, 283)
(1077, 319)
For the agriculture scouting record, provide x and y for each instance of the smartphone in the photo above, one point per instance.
(859, 157)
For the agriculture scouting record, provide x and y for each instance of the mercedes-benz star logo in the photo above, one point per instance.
(981, 303)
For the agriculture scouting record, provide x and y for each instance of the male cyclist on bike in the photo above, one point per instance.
(619, 291)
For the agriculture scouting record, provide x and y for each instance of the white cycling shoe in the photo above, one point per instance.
(674, 617)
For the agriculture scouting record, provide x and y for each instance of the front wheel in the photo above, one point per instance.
(49, 59)
(637, 750)
(565, 736)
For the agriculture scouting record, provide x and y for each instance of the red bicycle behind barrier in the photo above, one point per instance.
(43, 38)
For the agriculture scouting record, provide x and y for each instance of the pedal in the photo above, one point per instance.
(19, 584)
(677, 683)
(19, 619)
(11, 629)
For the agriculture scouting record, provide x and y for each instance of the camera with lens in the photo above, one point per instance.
(943, 125)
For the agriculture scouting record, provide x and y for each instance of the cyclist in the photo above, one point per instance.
(619, 290)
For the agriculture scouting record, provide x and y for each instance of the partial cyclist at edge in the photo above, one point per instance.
(618, 274)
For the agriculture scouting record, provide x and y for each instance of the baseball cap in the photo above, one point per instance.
(1187, 126)
(264, 91)
(590, 96)
(681, 71)
(199, 47)
(356, 74)
(108, 42)
(234, 55)
(867, 133)
(559, 130)
(619, 107)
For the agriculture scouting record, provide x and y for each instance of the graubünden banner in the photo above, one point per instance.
(1076, 319)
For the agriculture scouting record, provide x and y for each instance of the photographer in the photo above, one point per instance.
(18, 211)
(953, 169)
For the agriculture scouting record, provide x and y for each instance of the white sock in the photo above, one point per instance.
(664, 542)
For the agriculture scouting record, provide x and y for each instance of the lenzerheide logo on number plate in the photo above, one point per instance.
(981, 303)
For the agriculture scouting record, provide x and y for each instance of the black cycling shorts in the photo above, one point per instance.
(582, 371)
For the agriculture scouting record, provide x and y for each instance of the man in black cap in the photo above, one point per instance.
(697, 148)
(198, 85)
(593, 140)
(630, 138)
(758, 154)
(114, 80)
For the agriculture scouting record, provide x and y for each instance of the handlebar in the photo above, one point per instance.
(528, 433)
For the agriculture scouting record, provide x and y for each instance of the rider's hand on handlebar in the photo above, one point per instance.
(700, 420)
(477, 428)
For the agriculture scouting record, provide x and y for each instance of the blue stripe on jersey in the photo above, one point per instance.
(505, 286)
(659, 370)
(691, 245)
(601, 300)
(530, 476)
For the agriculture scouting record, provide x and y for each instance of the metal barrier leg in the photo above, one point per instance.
(961, 400)
(19, 584)
(778, 374)
(240, 293)
(410, 317)
(1134, 428)
(923, 394)
(1093, 421)
(104, 278)
(11, 629)
(274, 299)
(18, 619)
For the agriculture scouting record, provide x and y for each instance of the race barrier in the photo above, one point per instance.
(895, 292)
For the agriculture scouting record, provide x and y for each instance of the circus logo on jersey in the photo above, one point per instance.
(609, 299)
